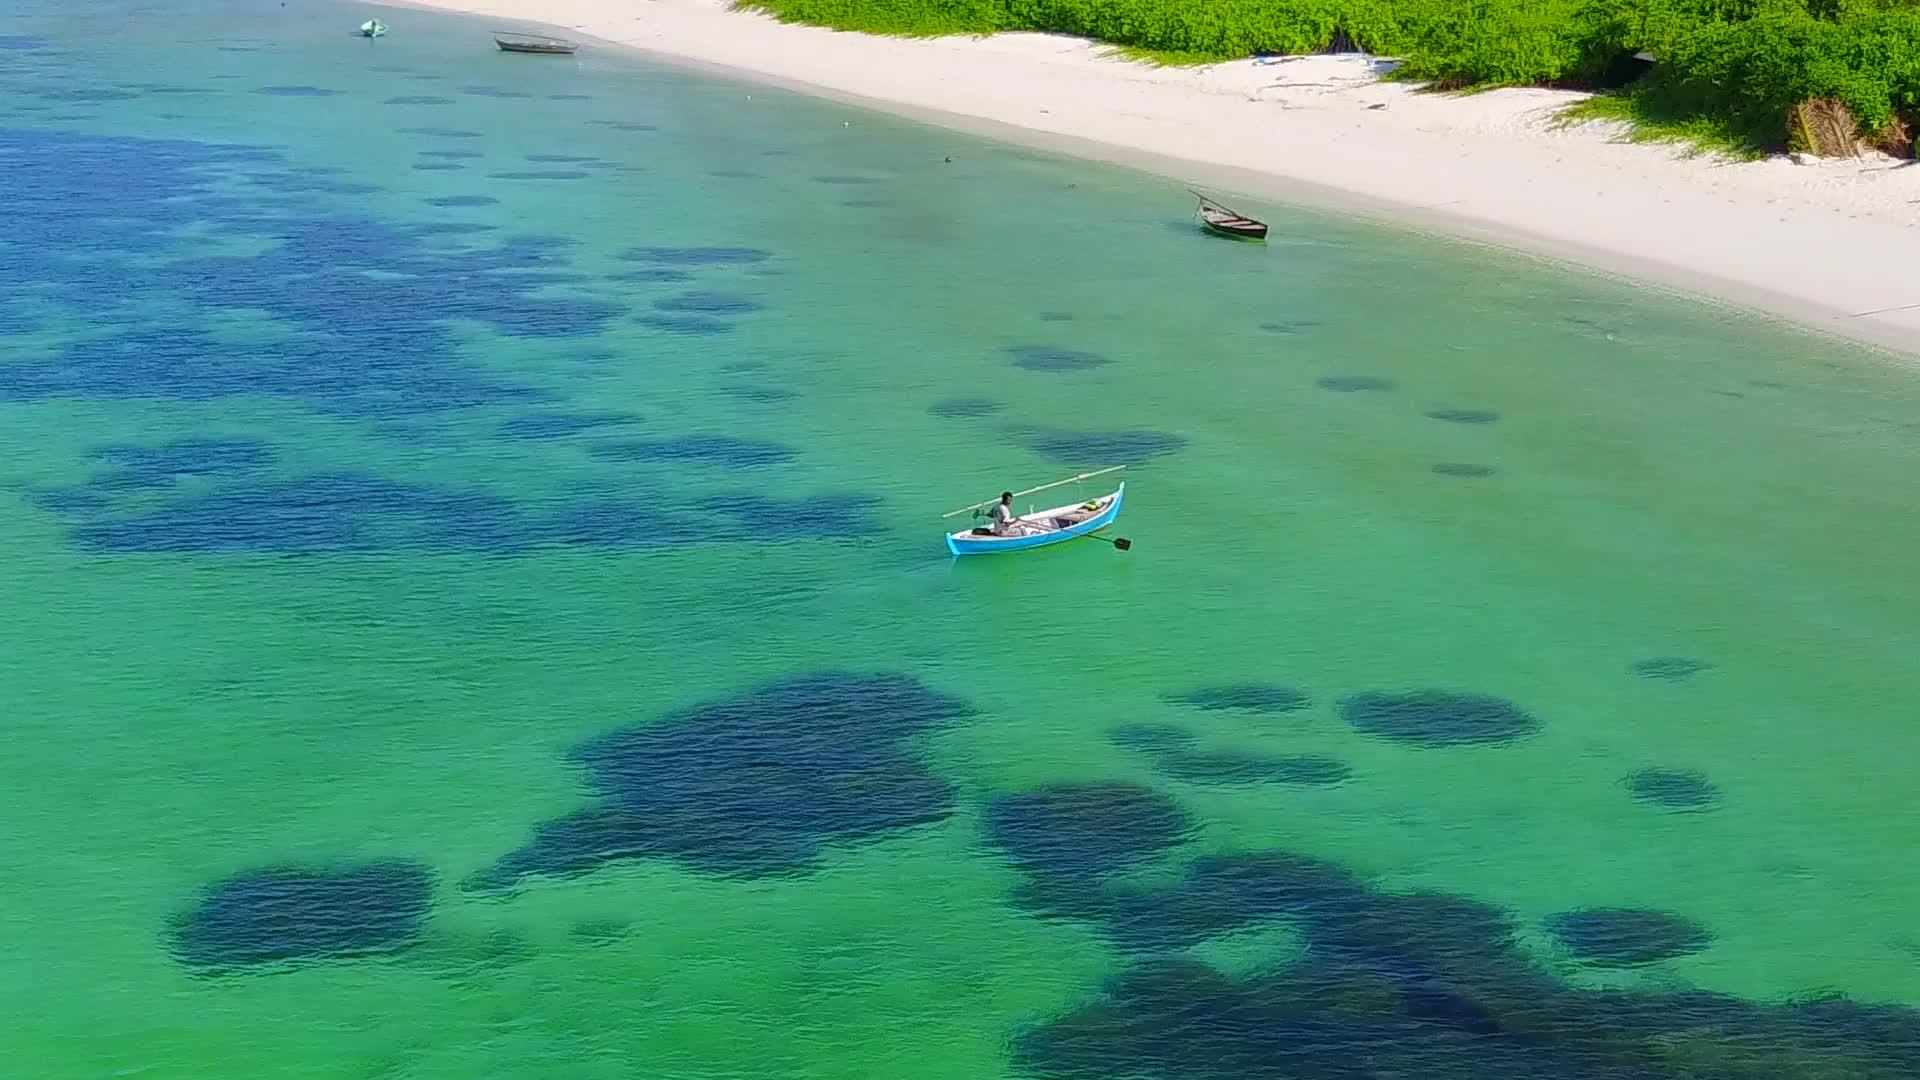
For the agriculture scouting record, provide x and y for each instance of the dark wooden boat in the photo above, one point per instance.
(1222, 221)
(534, 43)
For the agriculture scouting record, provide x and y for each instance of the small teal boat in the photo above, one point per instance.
(1043, 528)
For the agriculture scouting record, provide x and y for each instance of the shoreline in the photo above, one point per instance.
(1817, 246)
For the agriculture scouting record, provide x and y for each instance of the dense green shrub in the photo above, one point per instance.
(1739, 65)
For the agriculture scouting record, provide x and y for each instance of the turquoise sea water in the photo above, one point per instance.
(475, 605)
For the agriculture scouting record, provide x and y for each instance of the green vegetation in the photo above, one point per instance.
(1730, 73)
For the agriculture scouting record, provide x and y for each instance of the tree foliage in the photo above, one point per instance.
(1739, 66)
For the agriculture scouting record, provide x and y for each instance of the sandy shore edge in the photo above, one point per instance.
(1821, 245)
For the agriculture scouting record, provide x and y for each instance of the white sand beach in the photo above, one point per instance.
(1831, 244)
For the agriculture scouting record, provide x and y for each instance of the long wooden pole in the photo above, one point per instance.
(1042, 487)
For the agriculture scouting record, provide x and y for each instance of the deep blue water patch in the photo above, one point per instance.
(688, 449)
(866, 204)
(557, 425)
(438, 166)
(1669, 668)
(161, 465)
(1353, 384)
(316, 269)
(1056, 316)
(84, 95)
(751, 786)
(1418, 985)
(1151, 738)
(453, 155)
(687, 325)
(965, 408)
(295, 91)
(449, 228)
(1438, 718)
(569, 97)
(624, 125)
(441, 132)
(1462, 469)
(1104, 447)
(493, 92)
(1245, 697)
(1463, 416)
(1627, 937)
(559, 159)
(708, 303)
(1672, 789)
(540, 174)
(655, 275)
(697, 256)
(759, 517)
(22, 43)
(1239, 767)
(457, 201)
(1049, 358)
(417, 99)
(280, 916)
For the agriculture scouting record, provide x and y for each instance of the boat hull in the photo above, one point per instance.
(965, 543)
(1258, 232)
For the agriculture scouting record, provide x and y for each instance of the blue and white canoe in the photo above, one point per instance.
(1041, 528)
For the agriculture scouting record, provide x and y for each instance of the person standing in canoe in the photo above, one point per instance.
(1002, 515)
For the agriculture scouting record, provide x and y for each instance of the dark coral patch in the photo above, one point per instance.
(417, 99)
(438, 166)
(651, 276)
(708, 303)
(866, 204)
(1151, 738)
(569, 97)
(1289, 328)
(697, 256)
(559, 159)
(1056, 316)
(1674, 789)
(22, 43)
(1463, 416)
(557, 425)
(735, 174)
(847, 181)
(765, 395)
(295, 91)
(540, 174)
(752, 786)
(1234, 767)
(456, 201)
(1627, 937)
(704, 449)
(965, 408)
(453, 155)
(283, 915)
(687, 325)
(1353, 384)
(1247, 697)
(1080, 833)
(1048, 358)
(1438, 718)
(1465, 470)
(1669, 668)
(493, 92)
(1101, 447)
(441, 132)
(158, 466)
(624, 125)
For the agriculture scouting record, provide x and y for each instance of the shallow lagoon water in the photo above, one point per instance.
(362, 515)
